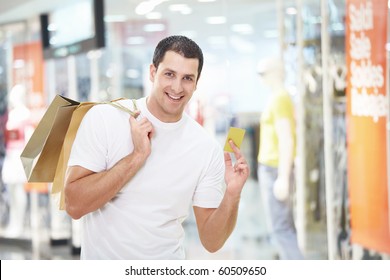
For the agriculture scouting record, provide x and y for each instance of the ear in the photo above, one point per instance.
(196, 84)
(152, 72)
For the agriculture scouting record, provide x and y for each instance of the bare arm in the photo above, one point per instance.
(286, 158)
(87, 191)
(216, 225)
(286, 147)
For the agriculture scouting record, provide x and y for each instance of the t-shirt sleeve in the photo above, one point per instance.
(211, 188)
(88, 149)
(283, 107)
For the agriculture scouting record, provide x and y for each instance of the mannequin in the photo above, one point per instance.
(13, 173)
(276, 157)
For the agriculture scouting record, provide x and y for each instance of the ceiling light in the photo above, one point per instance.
(216, 20)
(135, 40)
(52, 27)
(147, 6)
(242, 28)
(291, 11)
(53, 40)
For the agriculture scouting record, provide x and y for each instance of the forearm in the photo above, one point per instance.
(220, 223)
(285, 146)
(85, 194)
(286, 157)
(216, 225)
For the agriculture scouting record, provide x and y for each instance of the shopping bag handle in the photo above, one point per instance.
(119, 106)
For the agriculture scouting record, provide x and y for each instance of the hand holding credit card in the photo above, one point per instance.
(235, 134)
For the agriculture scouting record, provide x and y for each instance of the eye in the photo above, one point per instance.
(188, 78)
(169, 74)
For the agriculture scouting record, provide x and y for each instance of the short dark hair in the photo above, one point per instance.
(181, 45)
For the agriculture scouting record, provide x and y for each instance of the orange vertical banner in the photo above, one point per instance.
(28, 67)
(367, 109)
(28, 71)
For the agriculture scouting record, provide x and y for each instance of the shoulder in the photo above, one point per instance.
(283, 97)
(201, 136)
(195, 128)
(282, 100)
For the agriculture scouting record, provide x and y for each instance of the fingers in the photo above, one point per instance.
(141, 128)
(236, 150)
(241, 165)
(240, 159)
(228, 159)
(151, 133)
(141, 133)
(143, 125)
(136, 114)
(132, 120)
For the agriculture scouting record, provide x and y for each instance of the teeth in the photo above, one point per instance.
(173, 97)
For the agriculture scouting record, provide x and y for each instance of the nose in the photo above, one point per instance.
(177, 86)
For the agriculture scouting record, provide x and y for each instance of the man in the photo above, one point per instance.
(133, 184)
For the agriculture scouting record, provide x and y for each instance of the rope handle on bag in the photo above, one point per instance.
(119, 106)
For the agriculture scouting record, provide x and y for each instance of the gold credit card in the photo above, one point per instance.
(237, 135)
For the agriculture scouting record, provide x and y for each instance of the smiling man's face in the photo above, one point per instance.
(174, 82)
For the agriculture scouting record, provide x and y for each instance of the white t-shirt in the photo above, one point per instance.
(144, 220)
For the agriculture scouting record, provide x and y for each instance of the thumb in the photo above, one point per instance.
(132, 120)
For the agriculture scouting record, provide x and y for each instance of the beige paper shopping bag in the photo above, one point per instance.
(46, 154)
(78, 115)
(59, 178)
(41, 153)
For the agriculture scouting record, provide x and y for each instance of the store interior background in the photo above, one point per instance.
(234, 36)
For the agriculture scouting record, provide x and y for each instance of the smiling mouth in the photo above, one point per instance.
(174, 98)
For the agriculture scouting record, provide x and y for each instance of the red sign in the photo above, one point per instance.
(367, 108)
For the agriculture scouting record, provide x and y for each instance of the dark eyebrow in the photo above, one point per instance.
(186, 75)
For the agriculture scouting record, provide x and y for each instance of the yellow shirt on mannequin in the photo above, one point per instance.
(280, 106)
